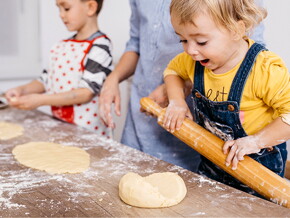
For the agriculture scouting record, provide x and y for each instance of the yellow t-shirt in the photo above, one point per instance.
(266, 93)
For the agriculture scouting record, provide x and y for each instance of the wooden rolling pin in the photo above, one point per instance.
(249, 171)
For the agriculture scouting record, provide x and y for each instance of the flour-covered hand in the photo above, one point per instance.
(175, 114)
(12, 94)
(237, 149)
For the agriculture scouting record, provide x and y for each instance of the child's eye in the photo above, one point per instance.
(66, 9)
(201, 43)
(183, 41)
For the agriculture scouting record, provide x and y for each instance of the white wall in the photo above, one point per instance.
(277, 28)
(113, 20)
(19, 39)
(277, 32)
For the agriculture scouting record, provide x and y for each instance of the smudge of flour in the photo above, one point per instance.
(17, 180)
(198, 214)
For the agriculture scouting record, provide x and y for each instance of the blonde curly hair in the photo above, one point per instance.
(226, 13)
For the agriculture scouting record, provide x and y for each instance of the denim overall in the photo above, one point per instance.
(222, 119)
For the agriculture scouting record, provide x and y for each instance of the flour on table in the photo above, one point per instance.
(10, 130)
(52, 158)
(154, 191)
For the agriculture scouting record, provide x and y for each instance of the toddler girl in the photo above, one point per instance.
(241, 90)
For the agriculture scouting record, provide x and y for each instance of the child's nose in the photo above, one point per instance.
(61, 14)
(191, 49)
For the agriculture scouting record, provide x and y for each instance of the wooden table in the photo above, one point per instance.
(28, 193)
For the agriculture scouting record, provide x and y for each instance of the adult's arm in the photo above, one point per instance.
(110, 93)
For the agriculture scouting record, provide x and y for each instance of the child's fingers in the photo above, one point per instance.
(167, 122)
(240, 154)
(235, 162)
(179, 121)
(167, 119)
(173, 122)
(227, 145)
(231, 154)
(21, 105)
(15, 102)
(179, 124)
(10, 94)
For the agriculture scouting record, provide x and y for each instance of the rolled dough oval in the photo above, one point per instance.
(10, 130)
(52, 157)
(154, 191)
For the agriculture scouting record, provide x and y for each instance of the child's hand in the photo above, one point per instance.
(237, 149)
(176, 111)
(27, 102)
(12, 94)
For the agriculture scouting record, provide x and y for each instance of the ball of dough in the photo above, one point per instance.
(13, 99)
(154, 191)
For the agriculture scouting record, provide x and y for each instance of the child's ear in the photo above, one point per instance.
(241, 30)
(92, 6)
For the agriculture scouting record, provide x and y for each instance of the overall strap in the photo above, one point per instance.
(198, 82)
(240, 79)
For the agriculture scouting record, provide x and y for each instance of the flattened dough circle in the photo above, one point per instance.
(154, 191)
(52, 158)
(10, 130)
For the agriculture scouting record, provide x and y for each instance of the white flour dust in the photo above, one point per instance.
(109, 162)
(17, 181)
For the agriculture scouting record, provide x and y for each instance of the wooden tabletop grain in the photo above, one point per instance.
(27, 192)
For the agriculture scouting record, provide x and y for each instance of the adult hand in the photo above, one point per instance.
(110, 94)
(159, 95)
(27, 102)
(237, 149)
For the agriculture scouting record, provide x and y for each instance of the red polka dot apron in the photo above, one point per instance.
(64, 74)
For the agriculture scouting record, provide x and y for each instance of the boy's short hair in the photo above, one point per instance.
(100, 5)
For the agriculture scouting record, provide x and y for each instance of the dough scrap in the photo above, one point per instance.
(52, 158)
(10, 130)
(154, 191)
